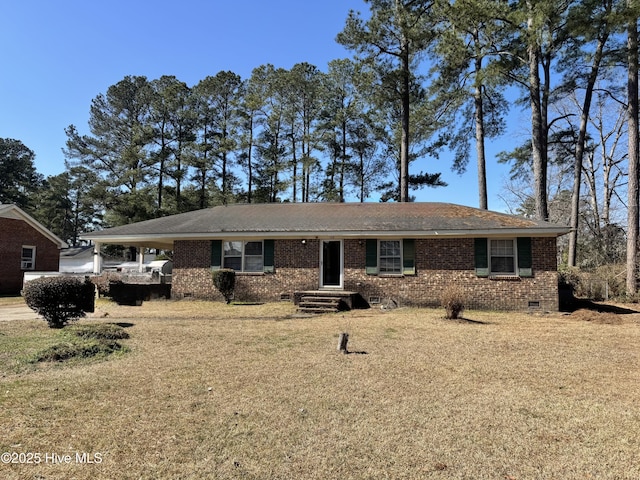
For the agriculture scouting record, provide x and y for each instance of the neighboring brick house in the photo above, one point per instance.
(25, 246)
(405, 252)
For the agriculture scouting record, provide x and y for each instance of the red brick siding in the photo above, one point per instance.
(14, 234)
(296, 268)
(191, 270)
(439, 263)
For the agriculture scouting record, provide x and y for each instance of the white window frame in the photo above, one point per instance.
(28, 263)
(514, 247)
(380, 268)
(243, 256)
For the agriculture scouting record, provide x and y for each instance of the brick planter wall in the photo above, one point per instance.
(15, 234)
(439, 263)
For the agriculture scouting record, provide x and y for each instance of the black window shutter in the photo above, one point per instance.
(409, 256)
(371, 261)
(216, 254)
(525, 259)
(269, 256)
(481, 257)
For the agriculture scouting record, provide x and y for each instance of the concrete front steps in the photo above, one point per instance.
(326, 301)
(320, 305)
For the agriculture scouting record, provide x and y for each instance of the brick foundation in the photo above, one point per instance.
(439, 263)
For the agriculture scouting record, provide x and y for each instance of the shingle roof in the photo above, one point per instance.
(75, 251)
(282, 220)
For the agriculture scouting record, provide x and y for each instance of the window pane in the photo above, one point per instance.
(502, 256)
(232, 249)
(390, 259)
(243, 256)
(253, 264)
(501, 247)
(389, 265)
(233, 262)
(502, 265)
(253, 248)
(390, 248)
(28, 258)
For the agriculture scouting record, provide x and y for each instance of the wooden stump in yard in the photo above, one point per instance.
(342, 342)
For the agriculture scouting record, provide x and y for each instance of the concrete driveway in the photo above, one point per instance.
(17, 312)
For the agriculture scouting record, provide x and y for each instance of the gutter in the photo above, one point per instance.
(170, 238)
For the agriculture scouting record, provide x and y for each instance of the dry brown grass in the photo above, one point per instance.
(216, 391)
(11, 300)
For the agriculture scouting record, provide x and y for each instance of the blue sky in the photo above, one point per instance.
(59, 55)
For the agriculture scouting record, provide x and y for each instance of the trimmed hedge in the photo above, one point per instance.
(59, 300)
(225, 281)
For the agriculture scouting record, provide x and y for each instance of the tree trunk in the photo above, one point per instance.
(178, 175)
(203, 168)
(537, 127)
(161, 167)
(249, 160)
(343, 163)
(591, 173)
(479, 119)
(632, 186)
(404, 139)
(224, 160)
(294, 160)
(362, 177)
(579, 153)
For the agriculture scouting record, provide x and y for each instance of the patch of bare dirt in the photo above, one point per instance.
(607, 318)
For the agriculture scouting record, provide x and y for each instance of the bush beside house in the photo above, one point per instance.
(60, 300)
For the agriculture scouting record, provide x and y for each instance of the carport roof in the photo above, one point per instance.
(325, 220)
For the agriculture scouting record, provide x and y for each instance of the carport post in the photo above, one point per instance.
(97, 259)
(141, 259)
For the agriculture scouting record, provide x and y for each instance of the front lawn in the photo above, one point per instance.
(208, 390)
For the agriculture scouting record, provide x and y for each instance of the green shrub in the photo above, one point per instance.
(604, 282)
(104, 280)
(225, 281)
(453, 301)
(59, 300)
(83, 342)
(77, 350)
(569, 278)
(100, 331)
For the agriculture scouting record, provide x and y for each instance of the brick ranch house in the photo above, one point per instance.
(405, 252)
(25, 246)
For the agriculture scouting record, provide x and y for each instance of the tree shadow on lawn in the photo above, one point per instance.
(575, 304)
(468, 320)
(123, 324)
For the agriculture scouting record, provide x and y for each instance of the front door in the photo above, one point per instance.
(331, 264)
